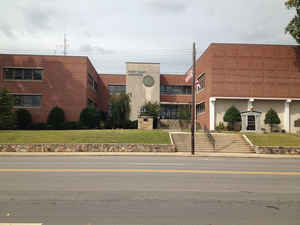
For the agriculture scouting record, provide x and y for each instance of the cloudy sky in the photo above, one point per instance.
(112, 32)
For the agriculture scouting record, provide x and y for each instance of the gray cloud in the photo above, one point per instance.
(7, 31)
(87, 48)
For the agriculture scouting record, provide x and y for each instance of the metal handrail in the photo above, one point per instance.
(210, 137)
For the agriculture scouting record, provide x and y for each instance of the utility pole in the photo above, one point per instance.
(193, 101)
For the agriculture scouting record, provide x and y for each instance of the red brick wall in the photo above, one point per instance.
(63, 83)
(104, 81)
(269, 71)
(175, 80)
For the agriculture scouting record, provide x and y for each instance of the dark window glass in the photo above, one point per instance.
(37, 74)
(117, 89)
(28, 100)
(201, 107)
(175, 90)
(8, 74)
(28, 74)
(19, 74)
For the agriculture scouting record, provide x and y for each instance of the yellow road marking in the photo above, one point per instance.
(148, 171)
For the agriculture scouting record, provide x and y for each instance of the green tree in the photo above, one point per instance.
(7, 115)
(24, 118)
(231, 116)
(293, 28)
(150, 109)
(56, 117)
(120, 110)
(185, 112)
(90, 117)
(272, 118)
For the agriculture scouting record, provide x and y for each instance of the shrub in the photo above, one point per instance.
(89, 117)
(24, 118)
(132, 124)
(39, 126)
(56, 118)
(231, 116)
(185, 112)
(7, 115)
(272, 118)
(71, 125)
(220, 127)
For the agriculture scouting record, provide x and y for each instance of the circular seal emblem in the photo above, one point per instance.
(148, 81)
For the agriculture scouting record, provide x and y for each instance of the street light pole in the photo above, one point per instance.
(193, 101)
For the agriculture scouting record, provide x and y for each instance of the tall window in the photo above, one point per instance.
(201, 107)
(22, 74)
(169, 112)
(116, 89)
(92, 83)
(27, 100)
(175, 90)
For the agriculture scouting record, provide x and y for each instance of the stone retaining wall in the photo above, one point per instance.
(277, 150)
(87, 148)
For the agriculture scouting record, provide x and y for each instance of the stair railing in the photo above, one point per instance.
(210, 137)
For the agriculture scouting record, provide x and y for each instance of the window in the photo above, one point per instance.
(169, 112)
(28, 100)
(92, 83)
(116, 89)
(201, 107)
(175, 90)
(201, 83)
(92, 103)
(22, 74)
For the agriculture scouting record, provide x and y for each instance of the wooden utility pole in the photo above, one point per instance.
(193, 101)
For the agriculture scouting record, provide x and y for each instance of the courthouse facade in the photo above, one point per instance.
(250, 77)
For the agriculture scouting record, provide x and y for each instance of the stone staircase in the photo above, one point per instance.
(225, 143)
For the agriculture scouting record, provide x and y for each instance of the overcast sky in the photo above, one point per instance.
(112, 32)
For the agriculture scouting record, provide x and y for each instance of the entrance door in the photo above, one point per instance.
(251, 123)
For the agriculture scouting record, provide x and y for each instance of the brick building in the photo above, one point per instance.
(257, 77)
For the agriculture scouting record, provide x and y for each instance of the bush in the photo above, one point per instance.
(231, 116)
(7, 115)
(24, 119)
(71, 125)
(132, 124)
(56, 118)
(120, 110)
(220, 127)
(39, 126)
(272, 118)
(89, 117)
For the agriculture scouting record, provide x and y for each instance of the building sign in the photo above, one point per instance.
(136, 73)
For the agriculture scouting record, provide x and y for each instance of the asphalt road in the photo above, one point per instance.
(149, 190)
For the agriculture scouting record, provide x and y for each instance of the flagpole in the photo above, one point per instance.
(193, 102)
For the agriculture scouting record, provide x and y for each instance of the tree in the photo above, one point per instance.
(7, 115)
(56, 117)
(232, 115)
(150, 109)
(272, 118)
(293, 28)
(90, 117)
(24, 118)
(120, 110)
(185, 112)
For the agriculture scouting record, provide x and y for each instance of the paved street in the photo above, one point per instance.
(149, 190)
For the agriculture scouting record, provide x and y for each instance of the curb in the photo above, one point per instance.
(173, 154)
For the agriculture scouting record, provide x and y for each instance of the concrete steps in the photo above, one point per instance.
(231, 143)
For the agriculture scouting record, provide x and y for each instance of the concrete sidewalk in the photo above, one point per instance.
(175, 154)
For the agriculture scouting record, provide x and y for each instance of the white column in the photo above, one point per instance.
(212, 102)
(287, 115)
(250, 104)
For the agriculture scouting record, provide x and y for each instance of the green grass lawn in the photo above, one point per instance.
(274, 139)
(84, 136)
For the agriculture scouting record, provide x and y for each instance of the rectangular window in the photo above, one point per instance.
(175, 90)
(22, 74)
(92, 83)
(201, 107)
(170, 112)
(116, 89)
(28, 100)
